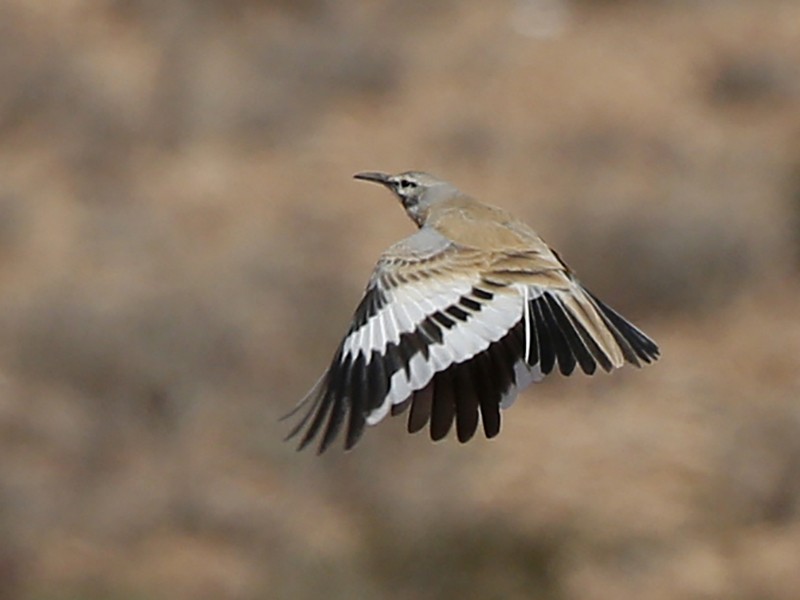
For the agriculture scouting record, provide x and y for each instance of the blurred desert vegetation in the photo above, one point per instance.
(181, 247)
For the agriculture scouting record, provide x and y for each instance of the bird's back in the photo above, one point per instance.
(468, 223)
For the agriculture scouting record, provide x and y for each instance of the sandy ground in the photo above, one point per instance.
(181, 246)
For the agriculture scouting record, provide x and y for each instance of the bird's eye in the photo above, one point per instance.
(407, 183)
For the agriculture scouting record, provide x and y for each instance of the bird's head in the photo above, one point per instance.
(416, 190)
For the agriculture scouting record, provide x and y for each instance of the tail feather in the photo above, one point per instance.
(575, 325)
(633, 341)
(579, 305)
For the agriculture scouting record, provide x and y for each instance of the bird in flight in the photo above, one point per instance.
(458, 318)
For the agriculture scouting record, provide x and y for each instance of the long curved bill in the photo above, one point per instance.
(374, 176)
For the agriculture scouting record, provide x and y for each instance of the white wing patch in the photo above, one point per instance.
(407, 306)
(459, 343)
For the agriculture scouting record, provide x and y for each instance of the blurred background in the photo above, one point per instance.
(182, 246)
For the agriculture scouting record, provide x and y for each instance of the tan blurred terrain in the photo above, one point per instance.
(181, 246)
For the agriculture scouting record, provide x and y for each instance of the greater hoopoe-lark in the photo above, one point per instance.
(456, 319)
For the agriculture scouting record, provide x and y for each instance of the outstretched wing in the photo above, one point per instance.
(454, 334)
(425, 317)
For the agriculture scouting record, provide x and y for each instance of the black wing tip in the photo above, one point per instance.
(304, 442)
(493, 433)
(325, 442)
(355, 430)
(295, 409)
(333, 430)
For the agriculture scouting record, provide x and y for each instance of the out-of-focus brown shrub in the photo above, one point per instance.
(181, 247)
